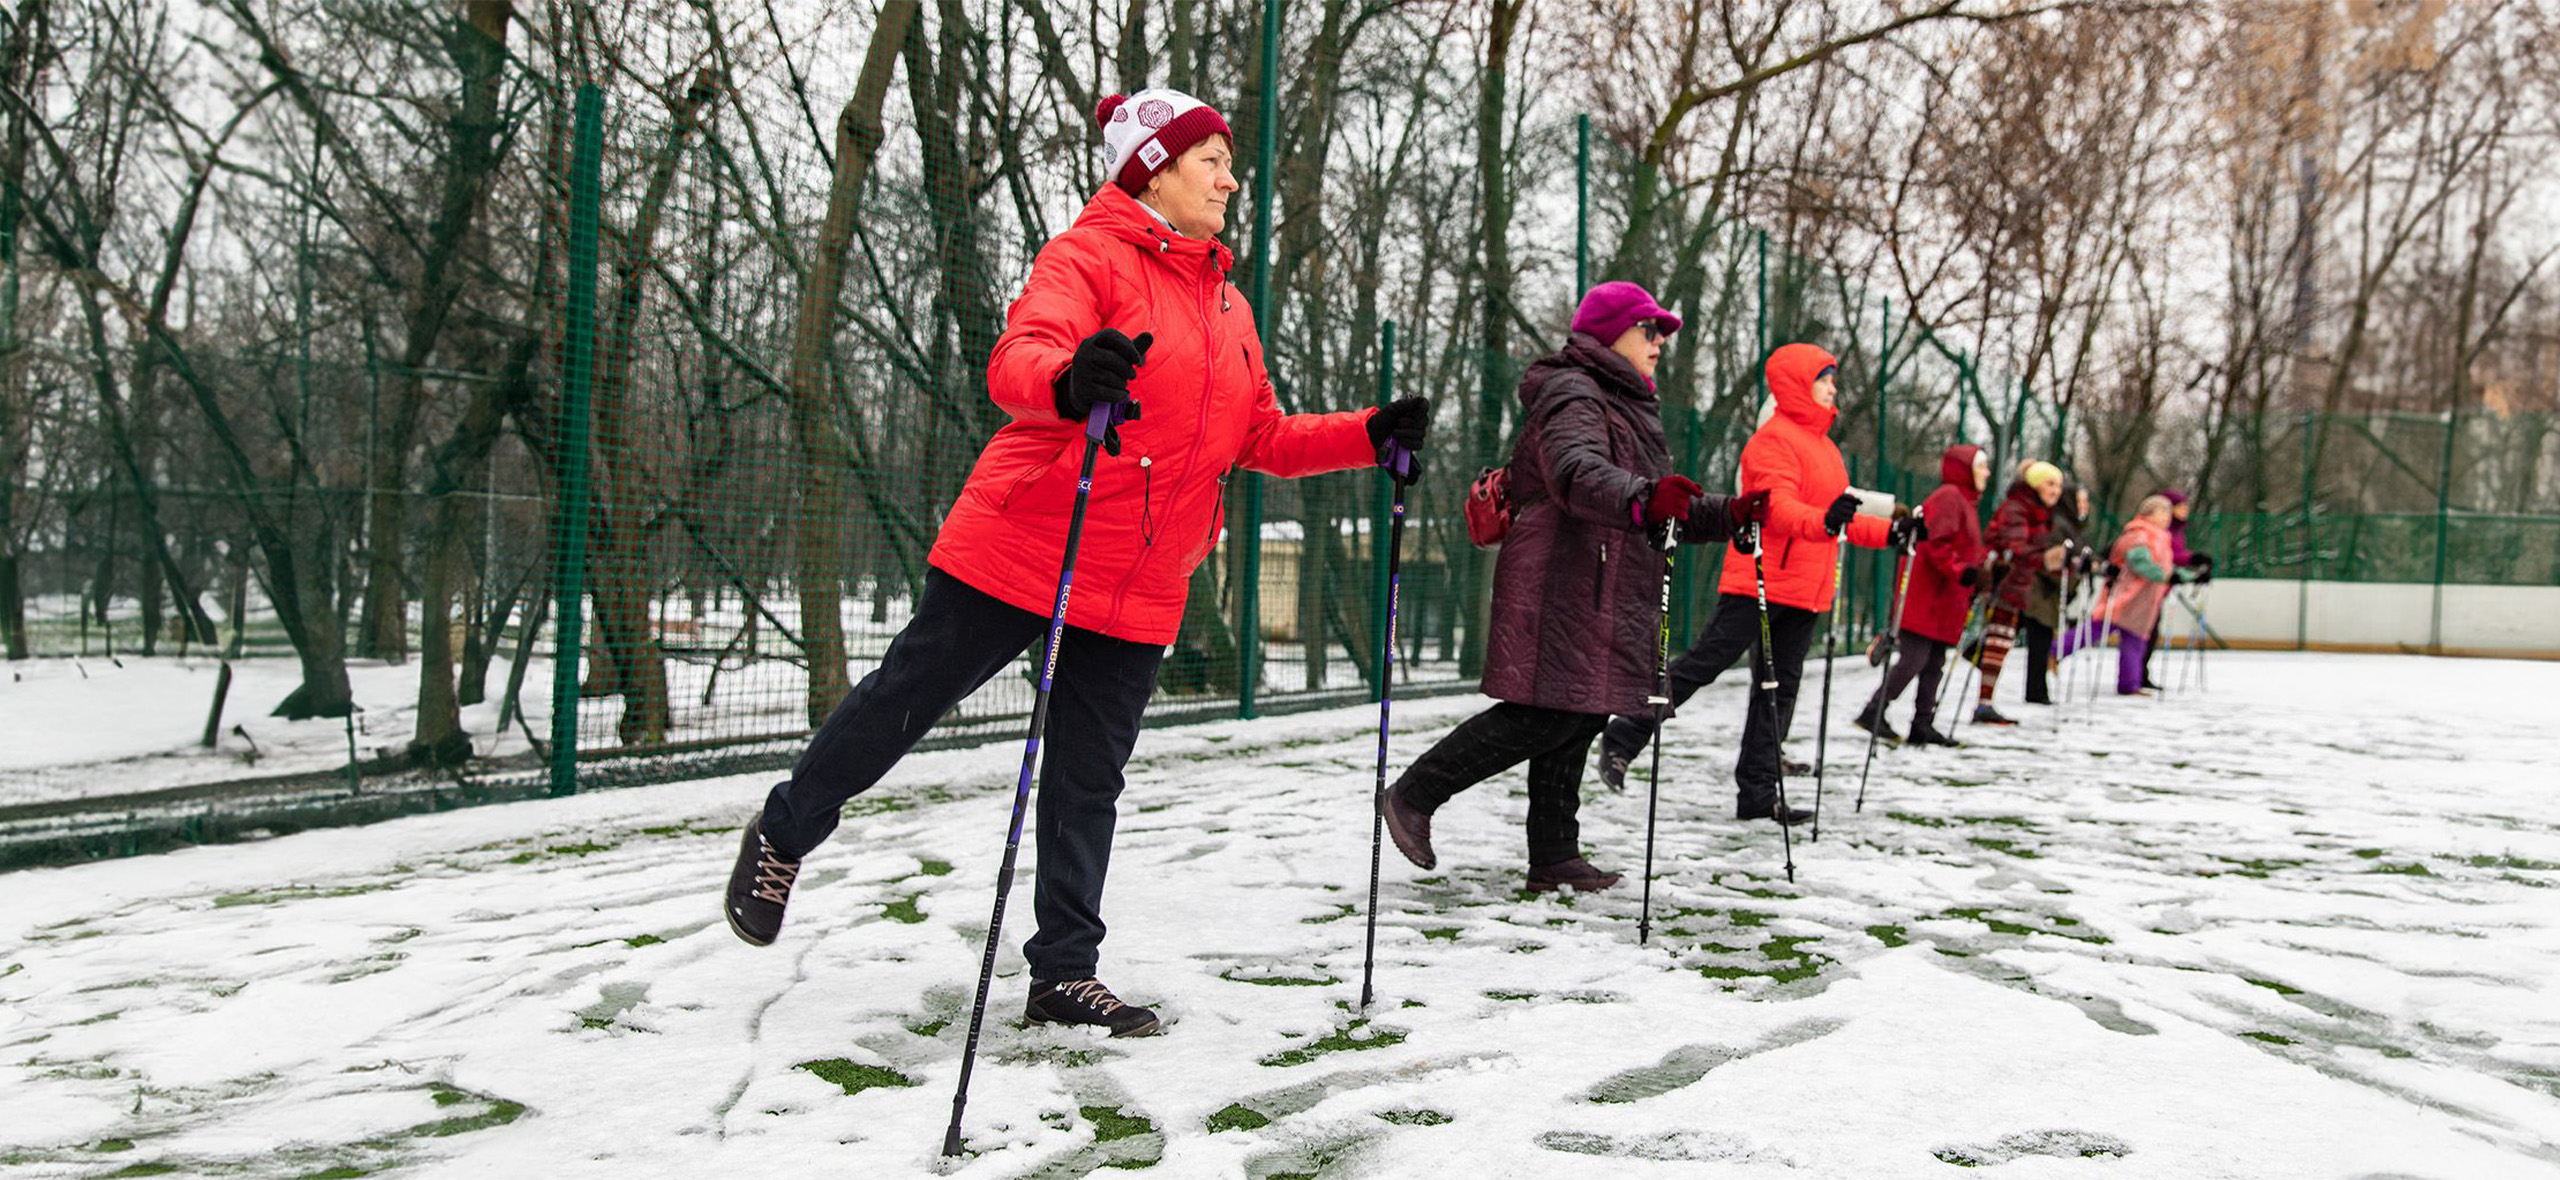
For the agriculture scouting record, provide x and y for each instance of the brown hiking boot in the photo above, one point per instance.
(1576, 874)
(1410, 827)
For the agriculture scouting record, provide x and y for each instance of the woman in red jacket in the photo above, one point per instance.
(1793, 459)
(1130, 305)
(1944, 571)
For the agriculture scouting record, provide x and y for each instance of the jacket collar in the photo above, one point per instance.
(1113, 211)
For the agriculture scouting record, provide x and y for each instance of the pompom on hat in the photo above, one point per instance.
(1144, 133)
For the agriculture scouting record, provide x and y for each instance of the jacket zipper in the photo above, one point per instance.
(1600, 585)
(1208, 383)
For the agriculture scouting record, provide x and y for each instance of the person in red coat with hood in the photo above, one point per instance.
(1792, 458)
(1130, 308)
(1940, 585)
(2024, 542)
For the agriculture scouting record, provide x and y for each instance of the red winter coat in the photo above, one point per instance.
(1939, 599)
(2021, 530)
(1206, 404)
(1793, 457)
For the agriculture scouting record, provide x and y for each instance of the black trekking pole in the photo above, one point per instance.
(1661, 702)
(1096, 425)
(1822, 724)
(1400, 472)
(1769, 655)
(1893, 640)
(1979, 641)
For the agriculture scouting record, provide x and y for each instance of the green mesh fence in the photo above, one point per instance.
(595, 425)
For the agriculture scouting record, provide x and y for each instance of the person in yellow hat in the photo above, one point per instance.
(2023, 542)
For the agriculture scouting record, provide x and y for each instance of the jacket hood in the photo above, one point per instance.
(1118, 214)
(1791, 371)
(1585, 353)
(1955, 469)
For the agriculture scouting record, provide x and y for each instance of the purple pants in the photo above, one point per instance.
(2130, 650)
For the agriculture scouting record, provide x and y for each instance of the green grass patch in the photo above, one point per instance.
(1511, 997)
(1339, 913)
(2009, 847)
(2268, 1037)
(1109, 1124)
(1890, 935)
(930, 867)
(494, 1112)
(153, 1168)
(339, 1172)
(1441, 934)
(1277, 980)
(2513, 862)
(106, 1145)
(1341, 1040)
(1415, 1118)
(2411, 869)
(1926, 821)
(2371, 853)
(642, 940)
(296, 893)
(1237, 1117)
(2277, 988)
(853, 1078)
(930, 1028)
(903, 910)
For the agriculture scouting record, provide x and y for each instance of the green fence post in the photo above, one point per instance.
(1884, 459)
(1581, 205)
(1760, 334)
(1379, 522)
(586, 185)
(2444, 519)
(2310, 548)
(1249, 543)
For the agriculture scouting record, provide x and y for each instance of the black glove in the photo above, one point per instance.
(2113, 571)
(1907, 533)
(1970, 578)
(2203, 574)
(1837, 516)
(1100, 373)
(1404, 421)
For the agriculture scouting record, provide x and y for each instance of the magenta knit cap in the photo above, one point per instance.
(1612, 308)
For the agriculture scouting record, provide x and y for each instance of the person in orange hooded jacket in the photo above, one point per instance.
(1810, 511)
(1129, 309)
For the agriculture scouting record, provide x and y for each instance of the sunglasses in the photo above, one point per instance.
(1652, 329)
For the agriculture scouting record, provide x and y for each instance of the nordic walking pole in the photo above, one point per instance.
(1661, 702)
(1400, 472)
(1769, 655)
(1822, 724)
(1972, 611)
(1096, 425)
(1893, 640)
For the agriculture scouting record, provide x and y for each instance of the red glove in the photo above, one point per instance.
(1669, 500)
(1745, 510)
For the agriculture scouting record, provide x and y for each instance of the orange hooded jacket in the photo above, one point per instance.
(1792, 456)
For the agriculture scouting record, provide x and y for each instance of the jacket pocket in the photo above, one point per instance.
(1036, 472)
(1217, 520)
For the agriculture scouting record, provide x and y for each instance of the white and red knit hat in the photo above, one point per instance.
(1143, 133)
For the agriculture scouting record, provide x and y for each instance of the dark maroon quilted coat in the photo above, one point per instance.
(1577, 589)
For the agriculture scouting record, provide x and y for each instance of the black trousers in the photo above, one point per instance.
(1553, 742)
(959, 638)
(2039, 654)
(1918, 658)
(1732, 631)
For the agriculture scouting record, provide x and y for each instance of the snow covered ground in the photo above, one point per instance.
(2304, 926)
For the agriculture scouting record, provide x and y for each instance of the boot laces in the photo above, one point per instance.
(774, 875)
(1092, 994)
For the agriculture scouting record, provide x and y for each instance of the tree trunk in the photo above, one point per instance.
(814, 442)
(1493, 195)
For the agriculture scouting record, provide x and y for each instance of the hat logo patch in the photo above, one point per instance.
(1155, 112)
(1152, 153)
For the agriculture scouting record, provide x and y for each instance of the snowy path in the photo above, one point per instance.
(2303, 927)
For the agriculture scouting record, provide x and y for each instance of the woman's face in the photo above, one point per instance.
(1981, 471)
(1192, 194)
(2084, 503)
(1641, 344)
(2049, 491)
(1826, 390)
(2181, 510)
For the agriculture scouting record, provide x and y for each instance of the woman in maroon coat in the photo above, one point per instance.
(1577, 590)
(1944, 571)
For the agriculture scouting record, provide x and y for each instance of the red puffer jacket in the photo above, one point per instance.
(1206, 407)
(2021, 530)
(1939, 599)
(1794, 458)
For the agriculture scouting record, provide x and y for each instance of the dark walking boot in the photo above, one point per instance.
(1786, 817)
(1986, 715)
(759, 887)
(1613, 769)
(1576, 875)
(1872, 720)
(1410, 827)
(1923, 734)
(1087, 1002)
